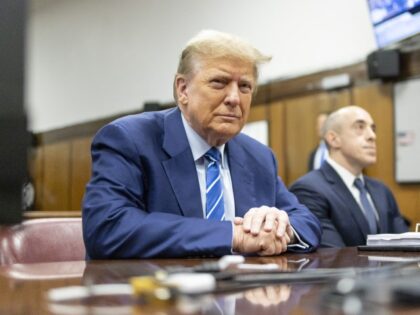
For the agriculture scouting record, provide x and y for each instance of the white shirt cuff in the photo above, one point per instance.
(300, 243)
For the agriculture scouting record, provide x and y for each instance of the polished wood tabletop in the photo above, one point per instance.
(359, 282)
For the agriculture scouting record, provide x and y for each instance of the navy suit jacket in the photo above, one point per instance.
(343, 222)
(143, 199)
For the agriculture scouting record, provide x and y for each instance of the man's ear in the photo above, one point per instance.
(181, 89)
(333, 139)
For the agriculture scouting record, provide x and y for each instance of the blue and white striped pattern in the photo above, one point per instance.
(214, 190)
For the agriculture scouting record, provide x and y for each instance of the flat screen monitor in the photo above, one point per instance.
(13, 133)
(394, 20)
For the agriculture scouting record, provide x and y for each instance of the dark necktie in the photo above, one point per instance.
(367, 207)
(214, 189)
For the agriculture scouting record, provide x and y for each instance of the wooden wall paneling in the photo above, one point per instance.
(56, 176)
(36, 173)
(408, 199)
(377, 99)
(274, 114)
(80, 169)
(410, 64)
(301, 133)
(312, 83)
(257, 113)
(338, 99)
(277, 130)
(415, 216)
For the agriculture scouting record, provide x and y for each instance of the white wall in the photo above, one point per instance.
(88, 59)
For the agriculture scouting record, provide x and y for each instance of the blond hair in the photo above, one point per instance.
(210, 44)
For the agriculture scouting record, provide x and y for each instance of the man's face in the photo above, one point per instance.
(357, 138)
(216, 98)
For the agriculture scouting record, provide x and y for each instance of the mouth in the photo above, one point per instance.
(229, 117)
(370, 149)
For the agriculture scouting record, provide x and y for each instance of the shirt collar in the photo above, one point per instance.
(198, 145)
(347, 177)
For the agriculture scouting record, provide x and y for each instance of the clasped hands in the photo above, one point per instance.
(265, 231)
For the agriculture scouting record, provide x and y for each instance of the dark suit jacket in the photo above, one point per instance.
(343, 222)
(143, 199)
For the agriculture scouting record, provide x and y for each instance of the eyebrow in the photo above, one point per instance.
(364, 122)
(360, 121)
(222, 73)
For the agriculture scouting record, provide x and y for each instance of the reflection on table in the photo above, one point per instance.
(382, 284)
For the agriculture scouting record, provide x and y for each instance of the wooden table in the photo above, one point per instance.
(23, 288)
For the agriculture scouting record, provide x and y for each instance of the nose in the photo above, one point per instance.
(232, 94)
(371, 134)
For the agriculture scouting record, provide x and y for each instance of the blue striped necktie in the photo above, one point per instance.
(367, 207)
(214, 189)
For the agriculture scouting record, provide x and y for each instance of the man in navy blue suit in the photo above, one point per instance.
(349, 205)
(149, 191)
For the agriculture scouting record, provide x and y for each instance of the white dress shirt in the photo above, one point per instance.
(199, 147)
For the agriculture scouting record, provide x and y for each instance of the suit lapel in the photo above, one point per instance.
(180, 167)
(349, 204)
(242, 179)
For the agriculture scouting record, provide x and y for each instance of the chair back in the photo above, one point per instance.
(42, 240)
